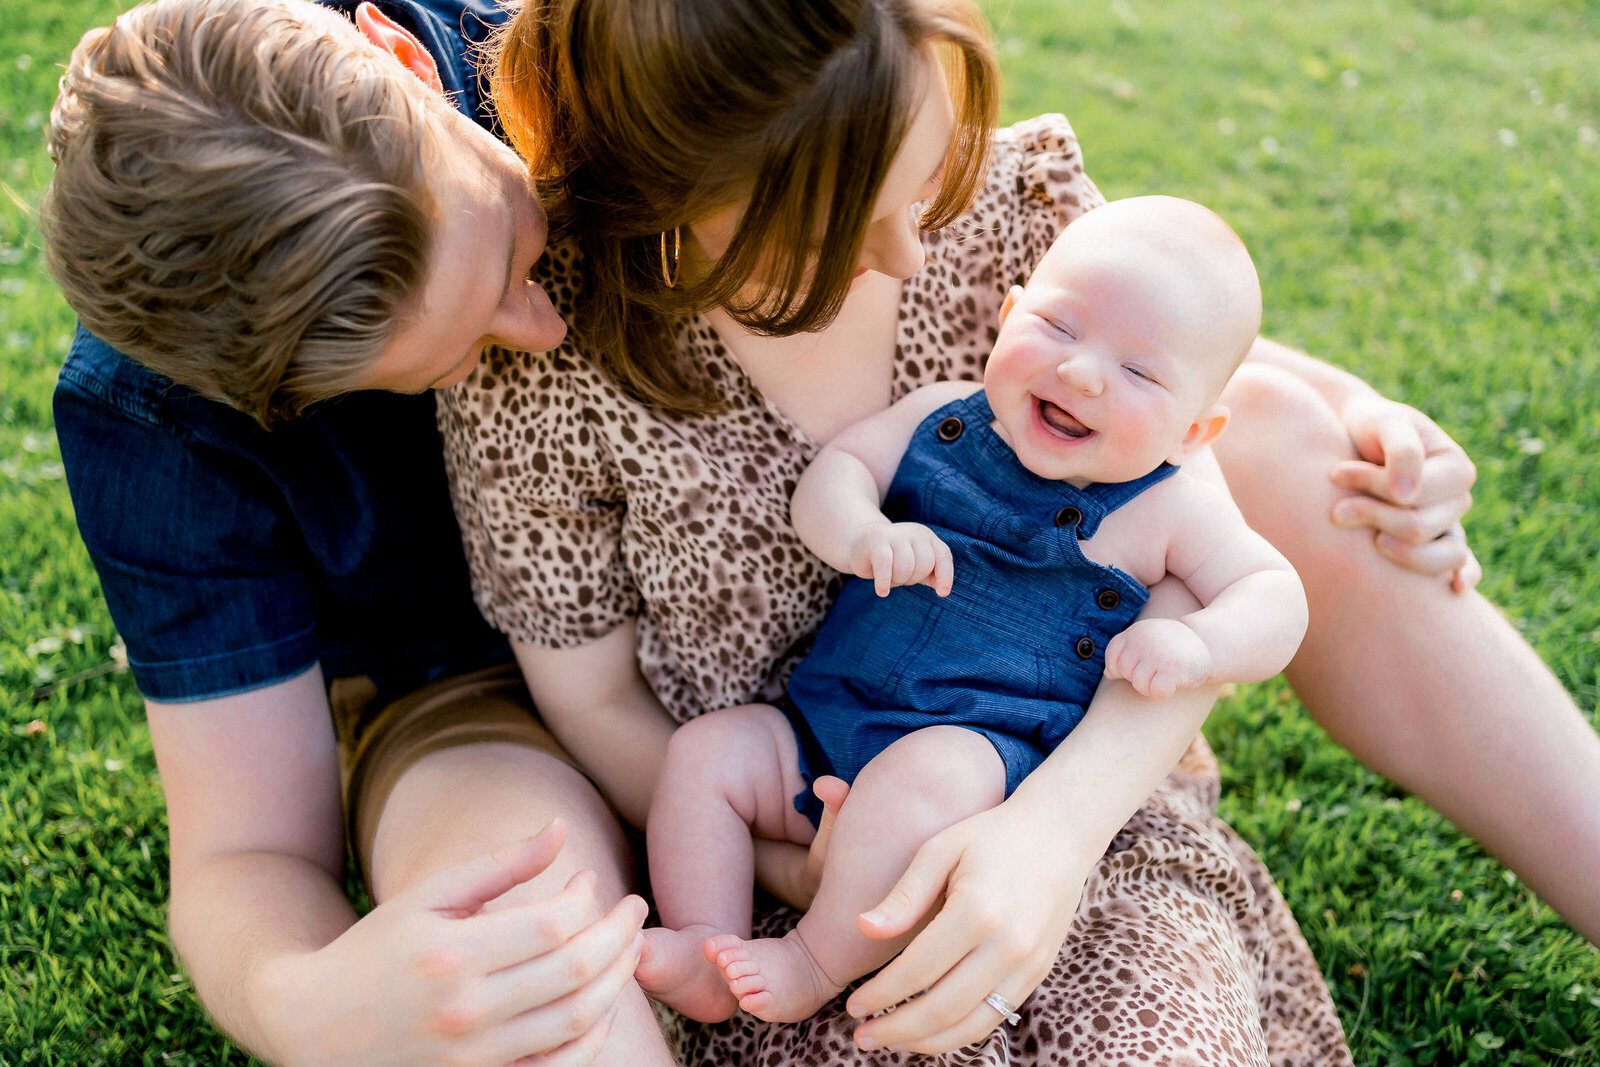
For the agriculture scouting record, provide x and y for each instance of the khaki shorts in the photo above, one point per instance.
(378, 744)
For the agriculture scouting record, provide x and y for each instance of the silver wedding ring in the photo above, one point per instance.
(1007, 1010)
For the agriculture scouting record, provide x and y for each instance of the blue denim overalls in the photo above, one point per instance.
(1015, 651)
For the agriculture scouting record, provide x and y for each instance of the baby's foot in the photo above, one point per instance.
(673, 970)
(775, 978)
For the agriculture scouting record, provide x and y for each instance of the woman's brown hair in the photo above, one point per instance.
(641, 116)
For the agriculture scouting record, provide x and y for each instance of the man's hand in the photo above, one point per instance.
(436, 975)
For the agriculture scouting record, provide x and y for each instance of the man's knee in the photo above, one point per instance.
(459, 803)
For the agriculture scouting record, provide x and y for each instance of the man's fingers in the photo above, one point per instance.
(512, 936)
(556, 976)
(551, 1027)
(462, 890)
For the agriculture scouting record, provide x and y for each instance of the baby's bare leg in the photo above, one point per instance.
(915, 788)
(726, 775)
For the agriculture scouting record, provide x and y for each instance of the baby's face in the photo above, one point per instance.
(1107, 359)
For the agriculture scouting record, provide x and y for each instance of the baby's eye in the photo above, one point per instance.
(1138, 373)
(1061, 328)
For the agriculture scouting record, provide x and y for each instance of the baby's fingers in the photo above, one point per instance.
(942, 578)
(882, 564)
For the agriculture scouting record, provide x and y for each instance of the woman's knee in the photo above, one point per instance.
(1277, 454)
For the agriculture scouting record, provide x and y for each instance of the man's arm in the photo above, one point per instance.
(257, 843)
(259, 915)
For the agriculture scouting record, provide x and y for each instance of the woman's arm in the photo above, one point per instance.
(1008, 902)
(259, 915)
(599, 706)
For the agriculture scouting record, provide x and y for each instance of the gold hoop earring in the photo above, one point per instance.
(669, 274)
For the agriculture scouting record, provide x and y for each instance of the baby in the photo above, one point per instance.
(1025, 518)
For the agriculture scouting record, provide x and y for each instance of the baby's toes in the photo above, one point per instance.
(714, 946)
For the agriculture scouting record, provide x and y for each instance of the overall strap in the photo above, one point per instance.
(1112, 495)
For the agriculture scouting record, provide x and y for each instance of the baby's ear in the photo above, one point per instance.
(399, 42)
(1206, 427)
(1012, 295)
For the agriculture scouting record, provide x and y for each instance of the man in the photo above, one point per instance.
(267, 205)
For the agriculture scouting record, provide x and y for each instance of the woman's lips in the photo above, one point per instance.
(1061, 422)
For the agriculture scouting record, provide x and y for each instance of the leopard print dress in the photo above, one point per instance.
(582, 509)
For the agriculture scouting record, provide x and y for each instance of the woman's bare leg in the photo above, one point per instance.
(461, 802)
(1432, 688)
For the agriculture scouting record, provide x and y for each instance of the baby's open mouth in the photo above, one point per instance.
(1059, 420)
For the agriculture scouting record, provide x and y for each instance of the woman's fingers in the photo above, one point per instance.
(940, 946)
(1445, 475)
(1446, 554)
(949, 1010)
(550, 1028)
(585, 1050)
(909, 899)
(1408, 526)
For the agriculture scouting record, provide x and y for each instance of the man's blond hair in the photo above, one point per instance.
(239, 201)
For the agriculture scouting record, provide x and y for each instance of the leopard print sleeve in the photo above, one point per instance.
(1051, 186)
(538, 497)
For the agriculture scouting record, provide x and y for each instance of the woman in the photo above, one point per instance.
(745, 277)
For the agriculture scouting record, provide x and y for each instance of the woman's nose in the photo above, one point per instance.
(894, 246)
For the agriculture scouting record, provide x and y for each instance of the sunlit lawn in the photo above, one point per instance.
(1419, 183)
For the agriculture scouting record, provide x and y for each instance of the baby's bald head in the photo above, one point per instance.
(1191, 261)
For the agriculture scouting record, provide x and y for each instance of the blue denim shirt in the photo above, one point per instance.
(232, 557)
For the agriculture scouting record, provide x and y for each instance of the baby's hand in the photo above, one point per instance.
(1158, 657)
(902, 553)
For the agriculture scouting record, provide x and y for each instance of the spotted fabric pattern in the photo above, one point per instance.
(581, 509)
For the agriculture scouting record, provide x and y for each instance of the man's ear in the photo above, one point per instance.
(1010, 302)
(399, 42)
(1206, 427)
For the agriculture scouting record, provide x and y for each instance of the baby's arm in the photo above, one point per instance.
(838, 506)
(1254, 612)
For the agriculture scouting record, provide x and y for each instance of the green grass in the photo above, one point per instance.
(1419, 183)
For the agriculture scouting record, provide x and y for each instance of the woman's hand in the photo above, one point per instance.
(1413, 484)
(1007, 907)
(433, 976)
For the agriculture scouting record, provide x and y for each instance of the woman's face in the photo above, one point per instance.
(892, 244)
